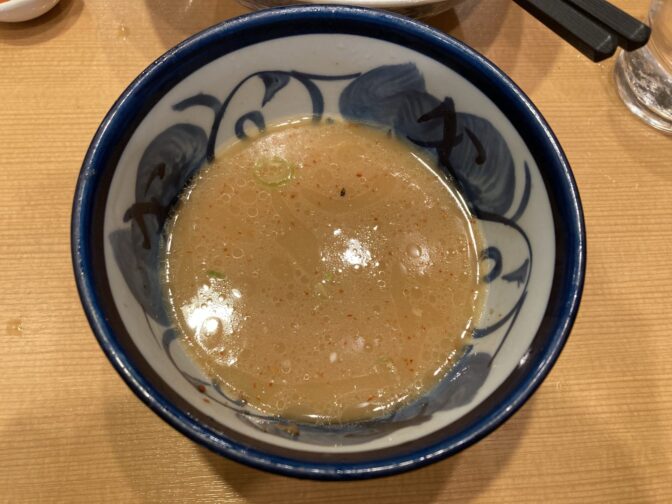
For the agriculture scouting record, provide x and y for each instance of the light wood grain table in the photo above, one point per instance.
(598, 430)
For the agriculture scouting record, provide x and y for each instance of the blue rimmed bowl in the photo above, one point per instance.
(234, 79)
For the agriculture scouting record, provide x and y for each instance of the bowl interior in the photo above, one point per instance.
(231, 82)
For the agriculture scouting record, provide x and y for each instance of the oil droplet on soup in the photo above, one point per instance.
(323, 272)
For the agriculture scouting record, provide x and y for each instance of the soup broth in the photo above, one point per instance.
(323, 272)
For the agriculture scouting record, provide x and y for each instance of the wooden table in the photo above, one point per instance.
(598, 430)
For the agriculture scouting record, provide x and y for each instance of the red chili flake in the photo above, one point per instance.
(201, 388)
(205, 399)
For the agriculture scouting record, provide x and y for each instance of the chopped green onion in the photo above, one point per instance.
(216, 274)
(274, 172)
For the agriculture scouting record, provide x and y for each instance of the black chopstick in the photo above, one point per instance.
(589, 37)
(631, 33)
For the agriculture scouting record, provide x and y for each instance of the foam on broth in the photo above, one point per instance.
(323, 272)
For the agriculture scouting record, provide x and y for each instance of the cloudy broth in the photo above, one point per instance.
(323, 272)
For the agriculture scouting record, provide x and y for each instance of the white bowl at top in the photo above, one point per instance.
(411, 8)
(14, 11)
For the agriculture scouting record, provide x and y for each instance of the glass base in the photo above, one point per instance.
(645, 87)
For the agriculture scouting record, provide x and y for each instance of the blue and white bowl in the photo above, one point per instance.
(327, 61)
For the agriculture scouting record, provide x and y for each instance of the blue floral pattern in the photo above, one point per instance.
(164, 169)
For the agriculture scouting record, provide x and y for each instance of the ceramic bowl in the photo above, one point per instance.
(15, 11)
(362, 65)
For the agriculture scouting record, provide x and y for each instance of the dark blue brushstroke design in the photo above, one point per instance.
(493, 254)
(464, 380)
(489, 184)
(180, 150)
(255, 117)
(445, 111)
(392, 96)
(210, 390)
(519, 275)
(457, 389)
(164, 169)
(274, 81)
(512, 315)
(525, 199)
(480, 150)
(202, 100)
(470, 147)
(482, 332)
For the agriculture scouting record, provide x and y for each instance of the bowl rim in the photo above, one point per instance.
(421, 38)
